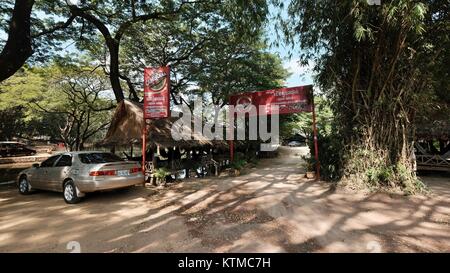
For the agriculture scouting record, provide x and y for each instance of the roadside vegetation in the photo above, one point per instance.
(380, 67)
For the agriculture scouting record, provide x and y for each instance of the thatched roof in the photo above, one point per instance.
(128, 122)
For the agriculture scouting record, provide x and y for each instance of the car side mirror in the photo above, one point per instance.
(35, 165)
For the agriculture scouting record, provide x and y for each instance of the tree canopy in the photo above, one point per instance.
(214, 48)
(47, 24)
(66, 103)
(375, 63)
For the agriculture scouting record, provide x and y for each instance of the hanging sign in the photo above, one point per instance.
(156, 92)
(289, 100)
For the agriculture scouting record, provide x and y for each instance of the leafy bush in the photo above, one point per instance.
(309, 164)
(381, 175)
(238, 164)
(161, 173)
(330, 153)
(241, 159)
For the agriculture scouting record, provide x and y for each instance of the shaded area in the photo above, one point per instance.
(271, 208)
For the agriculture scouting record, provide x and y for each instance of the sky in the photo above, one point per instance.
(301, 75)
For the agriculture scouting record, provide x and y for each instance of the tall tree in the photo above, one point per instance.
(18, 46)
(113, 19)
(242, 66)
(128, 19)
(82, 103)
(371, 63)
(207, 59)
(66, 103)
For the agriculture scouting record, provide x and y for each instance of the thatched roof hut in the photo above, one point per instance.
(128, 122)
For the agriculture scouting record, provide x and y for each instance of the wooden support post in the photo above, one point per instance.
(144, 146)
(231, 150)
(316, 146)
(231, 129)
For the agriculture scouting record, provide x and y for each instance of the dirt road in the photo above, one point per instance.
(272, 208)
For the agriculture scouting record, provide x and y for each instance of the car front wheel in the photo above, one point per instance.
(24, 186)
(70, 193)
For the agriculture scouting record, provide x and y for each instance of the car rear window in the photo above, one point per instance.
(95, 158)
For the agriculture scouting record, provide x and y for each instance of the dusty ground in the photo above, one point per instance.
(269, 209)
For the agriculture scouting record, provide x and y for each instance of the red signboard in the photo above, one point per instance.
(289, 100)
(156, 92)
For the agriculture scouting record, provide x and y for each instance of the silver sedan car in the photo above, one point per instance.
(77, 173)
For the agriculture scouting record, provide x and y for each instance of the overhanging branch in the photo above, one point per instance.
(59, 26)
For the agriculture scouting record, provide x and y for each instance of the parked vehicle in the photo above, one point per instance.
(77, 173)
(13, 148)
(295, 143)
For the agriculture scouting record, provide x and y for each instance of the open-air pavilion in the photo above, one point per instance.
(162, 151)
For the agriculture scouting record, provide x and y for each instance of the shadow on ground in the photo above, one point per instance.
(272, 208)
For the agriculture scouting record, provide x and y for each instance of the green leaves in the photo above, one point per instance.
(150, 33)
(208, 52)
(360, 32)
(418, 15)
(25, 86)
(378, 67)
(46, 100)
(301, 123)
(407, 14)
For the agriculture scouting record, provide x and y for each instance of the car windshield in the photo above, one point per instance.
(94, 158)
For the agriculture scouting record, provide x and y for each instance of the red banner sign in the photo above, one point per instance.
(156, 92)
(289, 100)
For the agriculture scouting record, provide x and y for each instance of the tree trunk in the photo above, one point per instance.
(378, 152)
(114, 75)
(18, 47)
(113, 48)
